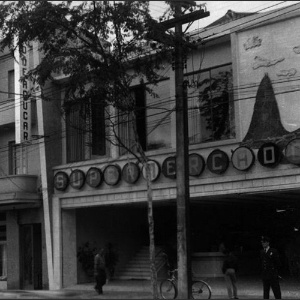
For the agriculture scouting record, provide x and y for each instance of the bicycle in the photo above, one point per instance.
(168, 287)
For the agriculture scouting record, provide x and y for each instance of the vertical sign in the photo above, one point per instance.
(22, 99)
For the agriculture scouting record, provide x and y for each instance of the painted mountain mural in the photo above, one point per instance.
(266, 123)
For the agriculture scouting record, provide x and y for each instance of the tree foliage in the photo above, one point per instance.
(214, 102)
(92, 42)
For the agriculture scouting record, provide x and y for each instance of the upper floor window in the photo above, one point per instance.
(152, 119)
(211, 106)
(85, 130)
(11, 84)
(13, 162)
(126, 121)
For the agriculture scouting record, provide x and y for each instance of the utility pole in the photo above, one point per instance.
(182, 151)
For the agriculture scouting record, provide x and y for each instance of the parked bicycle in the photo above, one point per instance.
(168, 287)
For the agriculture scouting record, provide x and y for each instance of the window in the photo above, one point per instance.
(75, 129)
(11, 84)
(98, 129)
(211, 107)
(85, 127)
(126, 131)
(12, 158)
(153, 118)
(159, 116)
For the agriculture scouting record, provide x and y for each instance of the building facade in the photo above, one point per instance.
(243, 159)
(24, 187)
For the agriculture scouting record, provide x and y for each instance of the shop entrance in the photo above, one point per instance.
(238, 224)
(31, 256)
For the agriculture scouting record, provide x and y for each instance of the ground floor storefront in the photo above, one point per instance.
(23, 262)
(234, 221)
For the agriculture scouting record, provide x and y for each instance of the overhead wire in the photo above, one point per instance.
(238, 99)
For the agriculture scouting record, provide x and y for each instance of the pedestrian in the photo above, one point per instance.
(270, 269)
(99, 271)
(230, 267)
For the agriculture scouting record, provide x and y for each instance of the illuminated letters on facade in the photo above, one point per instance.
(77, 179)
(61, 181)
(23, 103)
(269, 155)
(217, 161)
(169, 167)
(154, 168)
(112, 174)
(94, 177)
(131, 172)
(242, 158)
(196, 164)
(292, 151)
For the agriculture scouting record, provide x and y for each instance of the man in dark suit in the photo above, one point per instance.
(270, 268)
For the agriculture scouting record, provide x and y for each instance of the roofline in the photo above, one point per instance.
(255, 20)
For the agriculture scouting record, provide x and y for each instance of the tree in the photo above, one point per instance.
(214, 102)
(92, 43)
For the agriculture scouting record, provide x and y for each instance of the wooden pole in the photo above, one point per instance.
(182, 169)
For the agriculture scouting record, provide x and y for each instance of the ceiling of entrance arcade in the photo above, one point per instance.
(282, 198)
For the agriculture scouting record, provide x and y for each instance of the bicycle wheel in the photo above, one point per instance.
(168, 289)
(201, 290)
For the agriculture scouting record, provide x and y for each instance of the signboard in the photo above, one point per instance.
(112, 174)
(292, 151)
(94, 177)
(196, 164)
(154, 168)
(269, 155)
(22, 98)
(242, 158)
(169, 167)
(77, 179)
(61, 181)
(217, 161)
(131, 172)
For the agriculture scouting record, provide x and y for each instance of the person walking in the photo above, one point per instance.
(99, 271)
(230, 267)
(270, 269)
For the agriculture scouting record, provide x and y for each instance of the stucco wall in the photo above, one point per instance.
(69, 267)
(272, 49)
(13, 253)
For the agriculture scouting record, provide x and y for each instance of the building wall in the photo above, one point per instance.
(208, 55)
(277, 43)
(18, 217)
(69, 264)
(7, 109)
(271, 49)
(13, 250)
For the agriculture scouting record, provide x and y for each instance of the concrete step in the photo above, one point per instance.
(132, 277)
(139, 266)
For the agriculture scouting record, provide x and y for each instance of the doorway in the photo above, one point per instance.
(31, 256)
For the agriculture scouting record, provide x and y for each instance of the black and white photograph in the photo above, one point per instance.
(149, 149)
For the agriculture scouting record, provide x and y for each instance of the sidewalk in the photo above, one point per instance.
(248, 288)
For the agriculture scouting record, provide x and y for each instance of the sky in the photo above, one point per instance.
(218, 9)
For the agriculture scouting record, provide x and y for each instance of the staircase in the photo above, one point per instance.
(139, 266)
